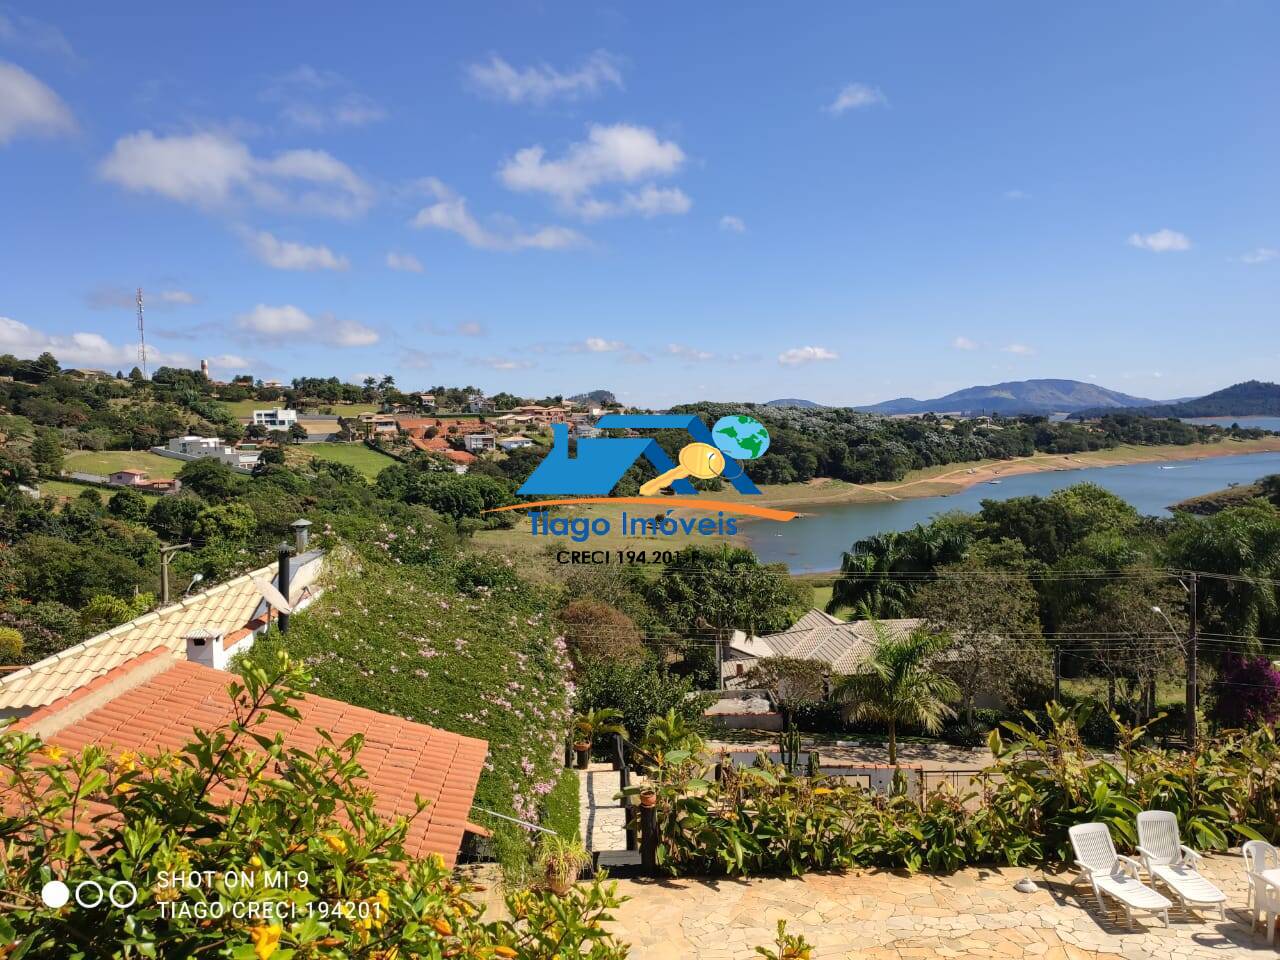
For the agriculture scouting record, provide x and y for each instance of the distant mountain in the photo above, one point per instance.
(793, 402)
(1253, 398)
(597, 398)
(1015, 397)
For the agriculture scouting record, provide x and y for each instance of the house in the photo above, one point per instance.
(141, 480)
(479, 403)
(128, 478)
(478, 442)
(378, 424)
(197, 448)
(426, 400)
(153, 686)
(235, 610)
(438, 445)
(275, 419)
(79, 373)
(507, 444)
(817, 635)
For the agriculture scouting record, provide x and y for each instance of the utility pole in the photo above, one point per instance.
(1193, 643)
(142, 338)
(1057, 675)
(166, 557)
(283, 551)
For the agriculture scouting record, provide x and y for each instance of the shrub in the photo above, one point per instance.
(399, 639)
(639, 691)
(596, 630)
(309, 819)
(1246, 693)
(10, 645)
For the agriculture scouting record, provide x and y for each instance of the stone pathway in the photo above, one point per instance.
(873, 915)
(602, 819)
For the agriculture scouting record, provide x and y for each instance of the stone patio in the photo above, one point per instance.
(892, 916)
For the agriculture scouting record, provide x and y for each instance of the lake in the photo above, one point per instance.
(815, 542)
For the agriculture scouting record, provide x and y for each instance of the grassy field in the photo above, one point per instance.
(368, 462)
(245, 408)
(64, 490)
(109, 461)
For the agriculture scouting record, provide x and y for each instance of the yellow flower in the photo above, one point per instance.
(255, 861)
(335, 842)
(506, 952)
(822, 791)
(126, 761)
(54, 753)
(265, 939)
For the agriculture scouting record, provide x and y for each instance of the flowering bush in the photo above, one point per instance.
(238, 846)
(468, 648)
(1246, 693)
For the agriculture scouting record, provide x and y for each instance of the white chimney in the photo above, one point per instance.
(204, 368)
(204, 646)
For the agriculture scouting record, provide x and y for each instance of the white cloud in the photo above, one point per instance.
(544, 83)
(28, 107)
(289, 323)
(404, 261)
(856, 96)
(688, 353)
(1019, 349)
(504, 363)
(1017, 195)
(79, 349)
(648, 203)
(450, 213)
(321, 100)
(287, 255)
(463, 328)
(600, 345)
(615, 154)
(1162, 241)
(181, 298)
(964, 343)
(35, 35)
(1260, 255)
(798, 355)
(213, 169)
(732, 224)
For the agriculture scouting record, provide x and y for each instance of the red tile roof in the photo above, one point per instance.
(155, 702)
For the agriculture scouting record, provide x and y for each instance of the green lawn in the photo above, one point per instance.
(367, 461)
(109, 461)
(245, 408)
(60, 488)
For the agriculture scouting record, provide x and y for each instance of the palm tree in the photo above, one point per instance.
(897, 685)
(871, 574)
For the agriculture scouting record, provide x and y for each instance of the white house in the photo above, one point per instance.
(478, 442)
(276, 419)
(198, 448)
(514, 443)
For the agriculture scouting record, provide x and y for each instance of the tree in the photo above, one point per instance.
(709, 592)
(128, 505)
(991, 619)
(792, 682)
(228, 521)
(46, 452)
(881, 571)
(897, 684)
(173, 518)
(1246, 693)
(10, 645)
(211, 479)
(593, 629)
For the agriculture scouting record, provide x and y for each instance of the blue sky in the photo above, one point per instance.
(845, 202)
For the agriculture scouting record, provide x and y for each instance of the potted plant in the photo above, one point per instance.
(561, 861)
(592, 724)
(648, 797)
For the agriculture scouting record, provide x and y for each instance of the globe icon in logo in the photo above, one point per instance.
(743, 438)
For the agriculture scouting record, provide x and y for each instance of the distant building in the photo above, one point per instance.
(479, 403)
(508, 444)
(276, 419)
(478, 442)
(200, 448)
(378, 424)
(128, 478)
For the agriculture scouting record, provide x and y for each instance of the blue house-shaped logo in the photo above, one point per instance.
(601, 462)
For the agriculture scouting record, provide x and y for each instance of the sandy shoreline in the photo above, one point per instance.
(954, 478)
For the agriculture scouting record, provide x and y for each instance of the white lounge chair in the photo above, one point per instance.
(1166, 859)
(1264, 896)
(1112, 874)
